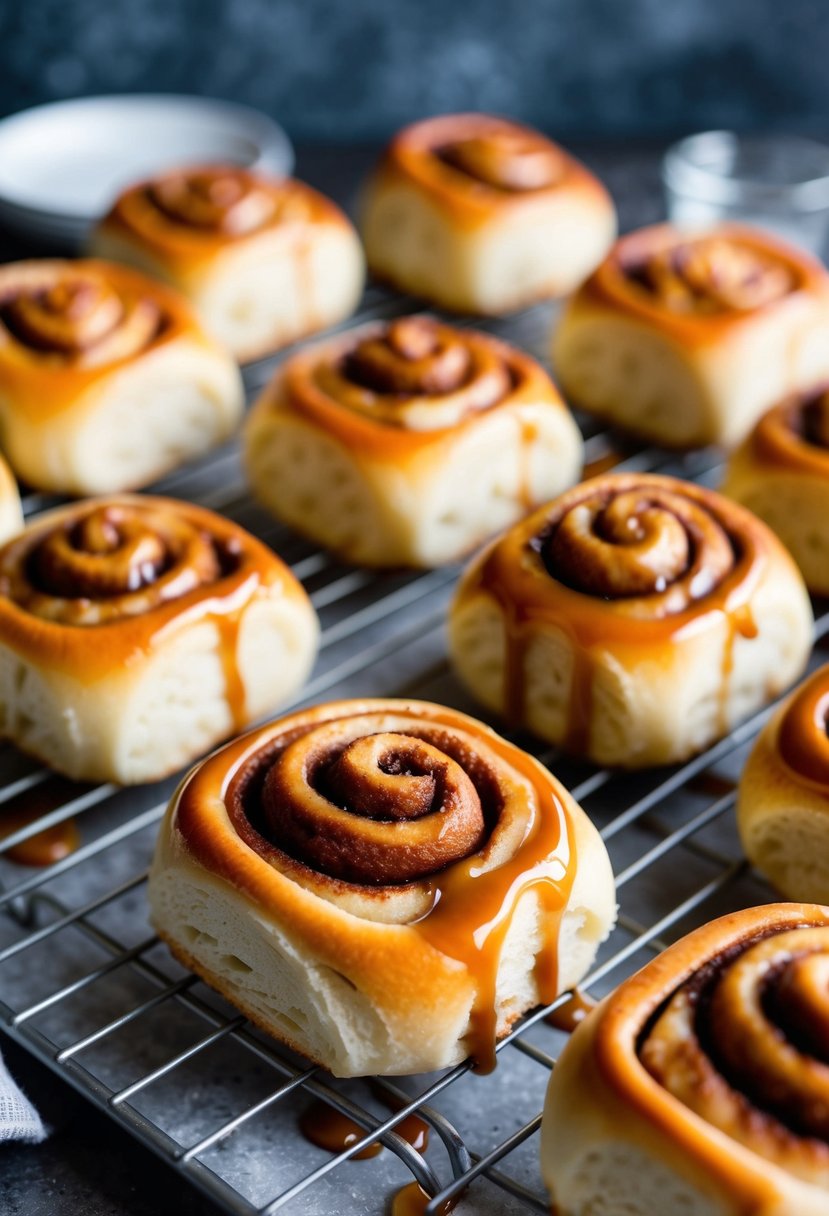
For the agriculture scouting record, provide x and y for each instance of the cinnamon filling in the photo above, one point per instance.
(228, 201)
(712, 275)
(506, 160)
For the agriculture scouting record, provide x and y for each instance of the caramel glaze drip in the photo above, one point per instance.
(509, 160)
(228, 200)
(743, 1044)
(104, 563)
(803, 731)
(456, 819)
(616, 561)
(572, 1013)
(712, 275)
(75, 316)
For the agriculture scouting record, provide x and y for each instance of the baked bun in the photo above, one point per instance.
(137, 632)
(385, 886)
(107, 381)
(701, 1085)
(634, 620)
(783, 801)
(409, 442)
(11, 511)
(686, 339)
(263, 260)
(478, 214)
(781, 473)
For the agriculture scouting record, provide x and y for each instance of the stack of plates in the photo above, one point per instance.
(62, 164)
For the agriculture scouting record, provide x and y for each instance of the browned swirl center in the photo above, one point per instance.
(371, 800)
(228, 201)
(78, 314)
(507, 160)
(815, 419)
(745, 1043)
(104, 562)
(416, 359)
(638, 542)
(712, 275)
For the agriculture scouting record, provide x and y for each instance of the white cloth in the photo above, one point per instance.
(18, 1118)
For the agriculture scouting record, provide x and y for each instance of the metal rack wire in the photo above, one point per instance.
(87, 989)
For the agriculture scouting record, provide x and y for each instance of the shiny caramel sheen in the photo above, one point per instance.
(42, 381)
(189, 239)
(516, 573)
(90, 652)
(611, 1041)
(786, 438)
(467, 906)
(615, 285)
(803, 731)
(317, 385)
(463, 162)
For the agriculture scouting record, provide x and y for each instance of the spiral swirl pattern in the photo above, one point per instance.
(803, 732)
(648, 543)
(76, 314)
(743, 1044)
(227, 201)
(712, 275)
(102, 562)
(506, 159)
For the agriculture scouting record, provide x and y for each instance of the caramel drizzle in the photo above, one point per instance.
(326, 1127)
(572, 1013)
(470, 909)
(529, 596)
(227, 628)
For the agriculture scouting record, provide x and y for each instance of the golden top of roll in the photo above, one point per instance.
(794, 435)
(188, 215)
(802, 731)
(397, 385)
(65, 324)
(475, 163)
(413, 828)
(718, 1047)
(694, 284)
(103, 578)
(628, 557)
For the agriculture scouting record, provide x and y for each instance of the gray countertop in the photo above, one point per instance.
(88, 1166)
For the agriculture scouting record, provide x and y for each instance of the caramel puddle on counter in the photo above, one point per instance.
(47, 847)
(572, 1013)
(412, 1200)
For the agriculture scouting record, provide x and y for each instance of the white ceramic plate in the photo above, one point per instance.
(62, 164)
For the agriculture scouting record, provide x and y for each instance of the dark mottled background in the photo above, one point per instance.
(355, 69)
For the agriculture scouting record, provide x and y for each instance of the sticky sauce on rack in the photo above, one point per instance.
(572, 1013)
(327, 1128)
(45, 848)
(602, 464)
(412, 1200)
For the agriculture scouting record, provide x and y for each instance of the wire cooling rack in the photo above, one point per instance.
(89, 990)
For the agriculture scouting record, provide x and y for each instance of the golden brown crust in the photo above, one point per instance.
(714, 292)
(417, 405)
(617, 1027)
(220, 820)
(61, 607)
(476, 165)
(65, 327)
(187, 217)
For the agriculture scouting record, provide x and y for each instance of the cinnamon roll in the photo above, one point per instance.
(686, 339)
(634, 620)
(409, 443)
(479, 214)
(264, 261)
(137, 632)
(383, 885)
(781, 473)
(107, 381)
(783, 801)
(701, 1084)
